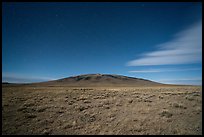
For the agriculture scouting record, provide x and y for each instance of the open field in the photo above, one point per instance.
(95, 110)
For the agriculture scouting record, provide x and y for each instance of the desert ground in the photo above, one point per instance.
(33, 110)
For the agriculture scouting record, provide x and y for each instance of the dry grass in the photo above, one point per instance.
(64, 110)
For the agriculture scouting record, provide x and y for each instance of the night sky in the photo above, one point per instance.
(156, 41)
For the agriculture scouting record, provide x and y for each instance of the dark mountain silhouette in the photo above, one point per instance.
(100, 80)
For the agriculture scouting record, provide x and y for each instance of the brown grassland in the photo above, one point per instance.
(101, 110)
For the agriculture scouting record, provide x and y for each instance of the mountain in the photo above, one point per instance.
(100, 80)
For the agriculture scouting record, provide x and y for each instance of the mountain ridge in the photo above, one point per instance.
(101, 80)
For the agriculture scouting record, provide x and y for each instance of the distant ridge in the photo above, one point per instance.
(5, 83)
(100, 80)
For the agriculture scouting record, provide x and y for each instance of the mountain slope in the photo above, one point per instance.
(100, 80)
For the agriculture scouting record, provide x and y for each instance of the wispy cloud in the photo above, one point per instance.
(17, 78)
(185, 48)
(185, 81)
(161, 70)
(144, 71)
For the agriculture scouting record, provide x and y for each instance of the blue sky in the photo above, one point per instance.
(151, 40)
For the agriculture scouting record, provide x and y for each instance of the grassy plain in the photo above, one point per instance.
(173, 110)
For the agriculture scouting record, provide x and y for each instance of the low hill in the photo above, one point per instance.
(100, 80)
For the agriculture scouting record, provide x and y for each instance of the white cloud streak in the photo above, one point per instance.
(144, 71)
(185, 48)
(162, 70)
(17, 78)
(183, 81)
